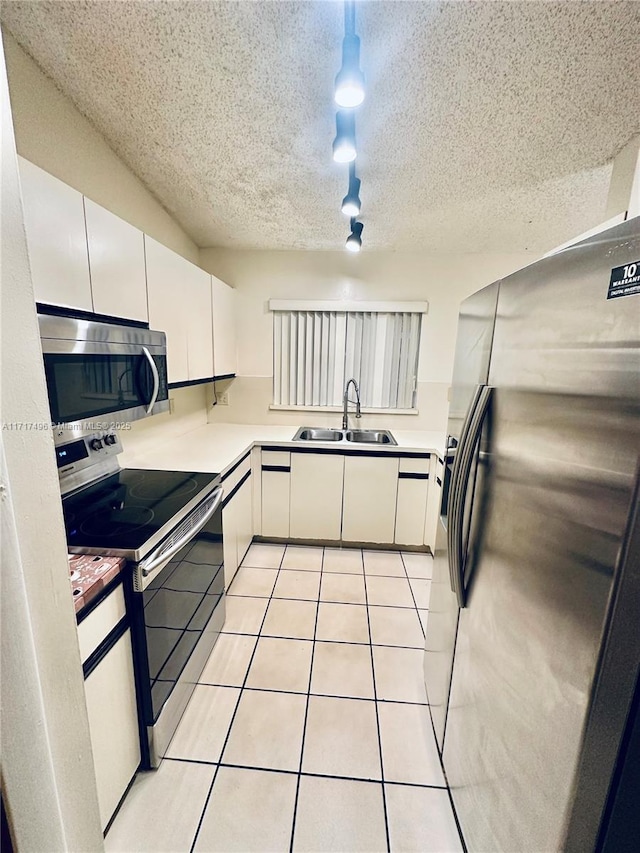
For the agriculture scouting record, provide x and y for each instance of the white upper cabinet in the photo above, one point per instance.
(225, 356)
(56, 238)
(197, 293)
(166, 286)
(116, 260)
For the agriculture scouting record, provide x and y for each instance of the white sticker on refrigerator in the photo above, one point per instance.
(624, 281)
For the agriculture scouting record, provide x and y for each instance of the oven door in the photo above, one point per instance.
(178, 613)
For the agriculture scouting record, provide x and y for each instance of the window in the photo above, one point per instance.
(317, 347)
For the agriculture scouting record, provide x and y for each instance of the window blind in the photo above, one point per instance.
(316, 352)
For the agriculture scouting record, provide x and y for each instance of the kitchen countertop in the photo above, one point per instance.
(89, 575)
(215, 447)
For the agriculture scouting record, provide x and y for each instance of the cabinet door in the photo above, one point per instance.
(244, 518)
(275, 494)
(56, 238)
(411, 510)
(433, 503)
(116, 261)
(198, 321)
(113, 724)
(225, 357)
(166, 276)
(230, 541)
(369, 507)
(316, 496)
(411, 507)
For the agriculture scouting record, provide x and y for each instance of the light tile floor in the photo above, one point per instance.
(310, 729)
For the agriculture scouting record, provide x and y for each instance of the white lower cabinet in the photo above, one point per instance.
(316, 496)
(244, 517)
(276, 478)
(433, 502)
(113, 724)
(369, 501)
(411, 506)
(230, 542)
(237, 526)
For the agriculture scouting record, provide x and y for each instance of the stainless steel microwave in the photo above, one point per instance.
(101, 374)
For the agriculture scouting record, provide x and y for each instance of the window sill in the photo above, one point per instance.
(338, 409)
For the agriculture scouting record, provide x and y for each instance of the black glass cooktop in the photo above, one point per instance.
(125, 510)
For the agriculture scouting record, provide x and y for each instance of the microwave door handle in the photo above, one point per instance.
(156, 379)
(156, 561)
(460, 481)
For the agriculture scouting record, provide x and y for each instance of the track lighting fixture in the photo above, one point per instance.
(354, 240)
(344, 145)
(351, 202)
(349, 88)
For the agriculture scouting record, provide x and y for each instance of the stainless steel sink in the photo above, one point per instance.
(359, 436)
(315, 434)
(371, 436)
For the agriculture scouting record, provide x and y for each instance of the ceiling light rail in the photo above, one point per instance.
(349, 93)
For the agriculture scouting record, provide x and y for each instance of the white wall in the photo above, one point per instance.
(47, 766)
(52, 133)
(443, 281)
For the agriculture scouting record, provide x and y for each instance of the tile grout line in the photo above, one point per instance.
(331, 601)
(306, 711)
(412, 594)
(235, 711)
(375, 697)
(230, 766)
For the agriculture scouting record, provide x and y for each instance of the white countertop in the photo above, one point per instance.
(215, 447)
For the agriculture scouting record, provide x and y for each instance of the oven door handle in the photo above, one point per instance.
(156, 379)
(154, 562)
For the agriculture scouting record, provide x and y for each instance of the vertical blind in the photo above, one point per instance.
(316, 352)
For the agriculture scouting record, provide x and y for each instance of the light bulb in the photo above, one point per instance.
(354, 240)
(349, 87)
(351, 203)
(344, 145)
(344, 151)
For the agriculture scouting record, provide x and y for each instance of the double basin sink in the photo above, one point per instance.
(361, 436)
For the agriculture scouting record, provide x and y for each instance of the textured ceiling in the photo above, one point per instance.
(488, 126)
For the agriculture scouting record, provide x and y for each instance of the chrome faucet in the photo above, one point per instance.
(346, 401)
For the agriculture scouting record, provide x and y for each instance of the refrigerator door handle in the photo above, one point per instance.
(459, 484)
(452, 554)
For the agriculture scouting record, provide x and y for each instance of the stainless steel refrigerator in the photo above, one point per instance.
(533, 638)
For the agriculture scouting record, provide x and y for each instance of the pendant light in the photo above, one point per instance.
(351, 203)
(349, 88)
(354, 240)
(344, 145)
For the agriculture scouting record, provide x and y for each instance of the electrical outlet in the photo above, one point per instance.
(223, 399)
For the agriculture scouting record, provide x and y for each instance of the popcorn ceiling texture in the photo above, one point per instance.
(488, 126)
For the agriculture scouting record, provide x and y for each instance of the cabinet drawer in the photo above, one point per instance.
(280, 458)
(230, 481)
(102, 620)
(409, 465)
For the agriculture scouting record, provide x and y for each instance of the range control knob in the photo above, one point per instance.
(110, 439)
(95, 444)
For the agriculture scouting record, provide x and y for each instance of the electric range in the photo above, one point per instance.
(168, 524)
